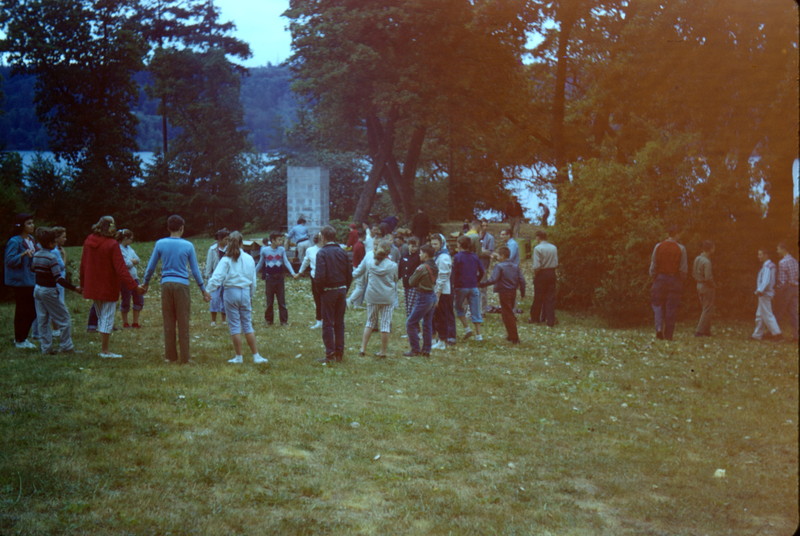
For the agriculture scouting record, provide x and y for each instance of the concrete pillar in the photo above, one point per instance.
(308, 195)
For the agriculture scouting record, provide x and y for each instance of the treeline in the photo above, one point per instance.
(266, 96)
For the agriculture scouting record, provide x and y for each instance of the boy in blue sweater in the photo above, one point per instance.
(270, 266)
(177, 256)
(507, 278)
(467, 272)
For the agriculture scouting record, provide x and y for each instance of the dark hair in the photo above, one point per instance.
(103, 226)
(122, 234)
(782, 245)
(413, 241)
(542, 235)
(509, 231)
(234, 245)
(428, 250)
(301, 220)
(673, 229)
(222, 233)
(328, 233)
(46, 236)
(707, 245)
(59, 230)
(385, 230)
(465, 242)
(174, 223)
(19, 221)
(503, 252)
(274, 234)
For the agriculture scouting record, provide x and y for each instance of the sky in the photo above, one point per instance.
(259, 23)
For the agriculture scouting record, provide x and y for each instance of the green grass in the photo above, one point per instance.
(580, 430)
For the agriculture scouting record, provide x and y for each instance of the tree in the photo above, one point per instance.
(84, 55)
(381, 77)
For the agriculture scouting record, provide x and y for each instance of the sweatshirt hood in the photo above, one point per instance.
(384, 267)
(94, 241)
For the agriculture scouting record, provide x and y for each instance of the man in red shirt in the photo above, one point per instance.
(668, 267)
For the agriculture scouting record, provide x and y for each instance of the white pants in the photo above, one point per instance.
(765, 320)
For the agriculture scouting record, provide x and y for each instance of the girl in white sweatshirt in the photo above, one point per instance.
(237, 273)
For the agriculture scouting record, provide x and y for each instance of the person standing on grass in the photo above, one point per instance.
(102, 274)
(467, 273)
(444, 321)
(18, 275)
(668, 268)
(359, 249)
(766, 325)
(507, 237)
(545, 262)
(298, 235)
(50, 306)
(507, 278)
(125, 239)
(270, 265)
(704, 276)
(215, 252)
(334, 275)
(487, 246)
(408, 264)
(423, 281)
(310, 261)
(786, 288)
(177, 257)
(237, 273)
(380, 295)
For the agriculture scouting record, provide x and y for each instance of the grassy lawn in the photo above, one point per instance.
(580, 430)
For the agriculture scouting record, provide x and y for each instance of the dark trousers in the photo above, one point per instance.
(24, 312)
(316, 292)
(424, 303)
(507, 300)
(444, 319)
(333, 304)
(665, 300)
(276, 288)
(543, 308)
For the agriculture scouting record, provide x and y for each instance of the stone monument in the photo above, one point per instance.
(308, 195)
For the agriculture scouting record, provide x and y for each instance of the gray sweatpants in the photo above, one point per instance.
(50, 309)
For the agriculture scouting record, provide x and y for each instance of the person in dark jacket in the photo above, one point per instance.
(423, 280)
(334, 275)
(506, 278)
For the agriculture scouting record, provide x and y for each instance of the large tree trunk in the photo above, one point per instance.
(381, 150)
(404, 181)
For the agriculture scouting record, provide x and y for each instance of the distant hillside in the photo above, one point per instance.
(269, 108)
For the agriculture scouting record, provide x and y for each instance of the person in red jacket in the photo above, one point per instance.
(102, 273)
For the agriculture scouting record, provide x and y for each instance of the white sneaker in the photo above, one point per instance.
(109, 355)
(316, 325)
(213, 324)
(259, 359)
(438, 345)
(56, 333)
(478, 337)
(237, 359)
(26, 344)
(468, 334)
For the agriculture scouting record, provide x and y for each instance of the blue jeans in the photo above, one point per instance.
(473, 297)
(665, 299)
(424, 306)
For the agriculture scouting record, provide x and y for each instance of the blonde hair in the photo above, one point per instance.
(382, 249)
(103, 226)
(234, 245)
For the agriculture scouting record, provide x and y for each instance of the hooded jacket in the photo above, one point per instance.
(103, 269)
(381, 281)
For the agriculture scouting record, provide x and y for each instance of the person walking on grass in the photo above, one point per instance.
(177, 257)
(704, 276)
(507, 278)
(50, 306)
(668, 268)
(102, 274)
(786, 289)
(380, 295)
(125, 239)
(467, 273)
(215, 252)
(18, 275)
(334, 275)
(310, 262)
(766, 325)
(270, 266)
(237, 273)
(423, 281)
